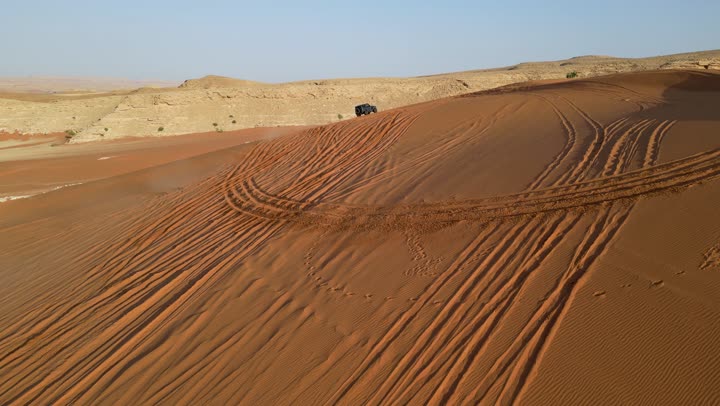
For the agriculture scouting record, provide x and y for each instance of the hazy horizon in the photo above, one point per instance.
(174, 41)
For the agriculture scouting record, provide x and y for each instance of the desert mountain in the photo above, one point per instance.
(215, 103)
(212, 81)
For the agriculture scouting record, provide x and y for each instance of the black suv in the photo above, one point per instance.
(364, 109)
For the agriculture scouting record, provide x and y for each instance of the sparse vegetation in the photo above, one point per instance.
(234, 122)
(215, 124)
(231, 116)
(340, 116)
(106, 129)
(571, 75)
(161, 129)
(218, 129)
(69, 134)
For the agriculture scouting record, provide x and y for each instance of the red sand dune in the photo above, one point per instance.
(556, 243)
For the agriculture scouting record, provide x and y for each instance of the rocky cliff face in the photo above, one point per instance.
(215, 103)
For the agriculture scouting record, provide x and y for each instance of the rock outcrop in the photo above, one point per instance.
(216, 103)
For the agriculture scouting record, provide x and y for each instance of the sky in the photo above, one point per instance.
(278, 41)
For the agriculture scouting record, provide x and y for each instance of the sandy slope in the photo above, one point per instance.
(35, 164)
(215, 102)
(554, 244)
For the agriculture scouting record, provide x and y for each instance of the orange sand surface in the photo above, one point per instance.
(34, 164)
(553, 243)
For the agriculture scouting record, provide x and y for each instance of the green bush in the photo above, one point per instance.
(161, 129)
(571, 75)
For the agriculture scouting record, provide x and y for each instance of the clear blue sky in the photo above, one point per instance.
(278, 41)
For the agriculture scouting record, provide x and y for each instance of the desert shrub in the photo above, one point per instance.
(106, 129)
(218, 129)
(340, 116)
(231, 116)
(69, 134)
(234, 122)
(215, 124)
(161, 129)
(571, 75)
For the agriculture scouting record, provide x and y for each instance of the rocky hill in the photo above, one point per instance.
(212, 81)
(216, 103)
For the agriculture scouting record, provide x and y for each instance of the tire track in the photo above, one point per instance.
(402, 322)
(653, 151)
(570, 143)
(449, 345)
(537, 244)
(455, 143)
